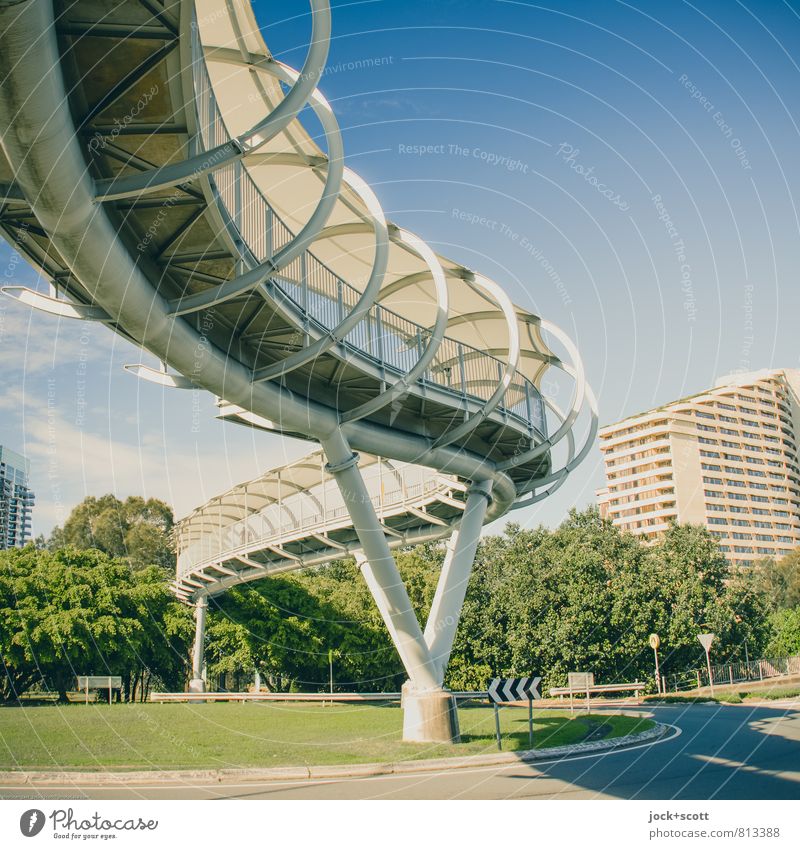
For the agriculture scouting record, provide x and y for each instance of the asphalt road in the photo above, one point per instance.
(713, 752)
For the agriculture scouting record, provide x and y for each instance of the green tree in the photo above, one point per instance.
(586, 597)
(780, 580)
(785, 640)
(285, 626)
(72, 612)
(137, 530)
(364, 655)
(161, 655)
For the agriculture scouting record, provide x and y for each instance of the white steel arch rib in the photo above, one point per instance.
(214, 221)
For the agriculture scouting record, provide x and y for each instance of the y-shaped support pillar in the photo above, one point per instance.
(198, 684)
(448, 600)
(429, 712)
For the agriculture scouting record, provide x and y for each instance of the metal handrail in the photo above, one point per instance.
(323, 298)
(239, 535)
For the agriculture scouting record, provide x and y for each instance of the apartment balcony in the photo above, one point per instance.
(614, 441)
(655, 445)
(650, 494)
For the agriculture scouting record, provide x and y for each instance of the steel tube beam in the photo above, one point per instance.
(55, 306)
(378, 566)
(440, 630)
(40, 138)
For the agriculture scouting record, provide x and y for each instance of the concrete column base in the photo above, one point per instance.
(429, 716)
(197, 685)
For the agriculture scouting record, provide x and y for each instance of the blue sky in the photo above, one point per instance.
(682, 268)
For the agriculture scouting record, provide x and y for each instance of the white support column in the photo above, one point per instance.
(198, 684)
(381, 601)
(440, 630)
(378, 566)
(429, 713)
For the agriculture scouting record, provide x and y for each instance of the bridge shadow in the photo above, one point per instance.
(719, 752)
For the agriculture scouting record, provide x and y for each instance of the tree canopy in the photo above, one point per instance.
(285, 626)
(136, 530)
(780, 580)
(73, 612)
(586, 597)
(581, 597)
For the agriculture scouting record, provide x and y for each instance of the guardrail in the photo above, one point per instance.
(324, 298)
(274, 697)
(299, 697)
(462, 695)
(636, 686)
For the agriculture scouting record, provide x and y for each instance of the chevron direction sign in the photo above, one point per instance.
(514, 689)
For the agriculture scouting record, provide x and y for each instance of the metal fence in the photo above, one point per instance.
(736, 672)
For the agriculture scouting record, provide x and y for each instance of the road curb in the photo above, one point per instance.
(207, 776)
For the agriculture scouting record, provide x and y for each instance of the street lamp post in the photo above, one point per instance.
(738, 620)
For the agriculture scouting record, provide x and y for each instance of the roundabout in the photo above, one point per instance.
(712, 752)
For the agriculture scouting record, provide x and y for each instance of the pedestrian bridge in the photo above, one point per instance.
(158, 167)
(295, 517)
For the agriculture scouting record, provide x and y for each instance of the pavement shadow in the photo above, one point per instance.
(721, 752)
(549, 731)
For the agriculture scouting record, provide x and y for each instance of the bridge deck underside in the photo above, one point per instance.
(131, 114)
(315, 541)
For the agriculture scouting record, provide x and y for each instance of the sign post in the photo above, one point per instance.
(579, 682)
(505, 690)
(96, 682)
(655, 642)
(705, 642)
(530, 723)
(330, 667)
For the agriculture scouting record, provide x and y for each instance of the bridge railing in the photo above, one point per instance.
(325, 298)
(269, 527)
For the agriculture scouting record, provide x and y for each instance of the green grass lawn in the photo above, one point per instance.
(220, 736)
(772, 693)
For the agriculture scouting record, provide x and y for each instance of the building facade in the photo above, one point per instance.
(16, 499)
(725, 458)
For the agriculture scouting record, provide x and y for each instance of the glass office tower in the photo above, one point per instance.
(16, 499)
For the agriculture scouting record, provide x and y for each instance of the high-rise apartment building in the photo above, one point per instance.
(725, 458)
(16, 499)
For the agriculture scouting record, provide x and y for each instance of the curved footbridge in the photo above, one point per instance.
(154, 167)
